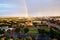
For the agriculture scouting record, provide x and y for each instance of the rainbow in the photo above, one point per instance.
(26, 9)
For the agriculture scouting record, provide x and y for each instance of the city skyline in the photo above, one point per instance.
(29, 7)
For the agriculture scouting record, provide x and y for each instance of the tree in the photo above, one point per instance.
(42, 31)
(39, 31)
(52, 33)
(26, 30)
(1, 31)
(17, 30)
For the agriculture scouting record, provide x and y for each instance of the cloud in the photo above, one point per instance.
(44, 7)
(35, 7)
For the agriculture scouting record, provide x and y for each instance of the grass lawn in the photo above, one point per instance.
(34, 30)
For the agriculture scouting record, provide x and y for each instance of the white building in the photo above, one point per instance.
(5, 28)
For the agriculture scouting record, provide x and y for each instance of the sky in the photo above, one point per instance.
(30, 7)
